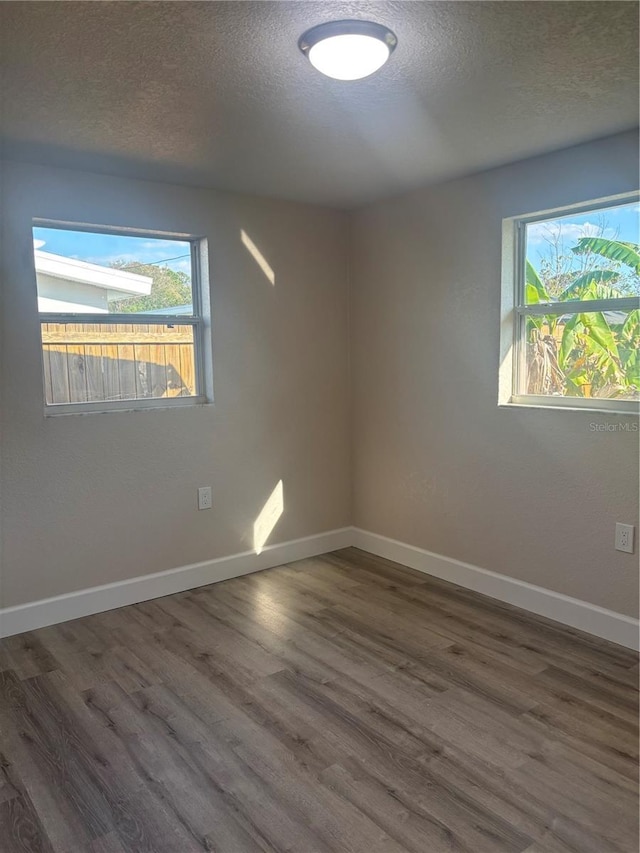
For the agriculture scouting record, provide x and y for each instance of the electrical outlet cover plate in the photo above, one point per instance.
(624, 538)
(204, 497)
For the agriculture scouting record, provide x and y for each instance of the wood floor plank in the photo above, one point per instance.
(334, 819)
(9, 785)
(27, 655)
(340, 704)
(622, 703)
(20, 828)
(374, 570)
(33, 768)
(107, 844)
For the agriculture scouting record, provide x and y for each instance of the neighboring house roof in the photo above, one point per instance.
(110, 278)
(68, 285)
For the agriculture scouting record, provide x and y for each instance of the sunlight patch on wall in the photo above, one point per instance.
(268, 518)
(258, 256)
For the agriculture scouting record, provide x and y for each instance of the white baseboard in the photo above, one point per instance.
(573, 612)
(84, 602)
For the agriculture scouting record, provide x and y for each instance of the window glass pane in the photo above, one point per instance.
(82, 272)
(592, 255)
(96, 362)
(595, 354)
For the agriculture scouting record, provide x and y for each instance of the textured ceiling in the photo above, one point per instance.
(218, 94)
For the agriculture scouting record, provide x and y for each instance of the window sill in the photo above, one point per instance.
(72, 409)
(568, 405)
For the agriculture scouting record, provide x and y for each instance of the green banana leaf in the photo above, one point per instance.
(592, 332)
(614, 250)
(631, 327)
(569, 342)
(630, 348)
(580, 287)
(535, 290)
(599, 331)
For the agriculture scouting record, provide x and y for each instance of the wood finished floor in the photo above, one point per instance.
(341, 703)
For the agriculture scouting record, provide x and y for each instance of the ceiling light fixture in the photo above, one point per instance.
(348, 50)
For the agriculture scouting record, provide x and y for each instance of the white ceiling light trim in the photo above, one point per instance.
(348, 50)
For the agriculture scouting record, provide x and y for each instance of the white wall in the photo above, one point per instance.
(92, 499)
(528, 493)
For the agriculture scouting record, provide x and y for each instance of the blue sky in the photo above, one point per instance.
(105, 248)
(620, 223)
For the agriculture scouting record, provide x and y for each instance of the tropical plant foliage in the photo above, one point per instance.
(592, 353)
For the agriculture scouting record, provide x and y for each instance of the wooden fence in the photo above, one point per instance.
(86, 362)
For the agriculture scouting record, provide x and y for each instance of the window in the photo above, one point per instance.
(570, 313)
(121, 319)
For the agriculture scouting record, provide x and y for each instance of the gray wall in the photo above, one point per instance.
(532, 494)
(90, 499)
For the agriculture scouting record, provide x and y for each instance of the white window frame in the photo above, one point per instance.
(200, 320)
(514, 312)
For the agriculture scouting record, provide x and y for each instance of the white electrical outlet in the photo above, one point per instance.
(624, 538)
(204, 497)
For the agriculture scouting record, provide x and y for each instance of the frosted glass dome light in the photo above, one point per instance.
(348, 50)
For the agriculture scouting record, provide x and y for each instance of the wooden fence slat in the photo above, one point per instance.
(157, 358)
(127, 369)
(77, 374)
(174, 380)
(46, 368)
(58, 359)
(111, 372)
(187, 370)
(143, 377)
(93, 367)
